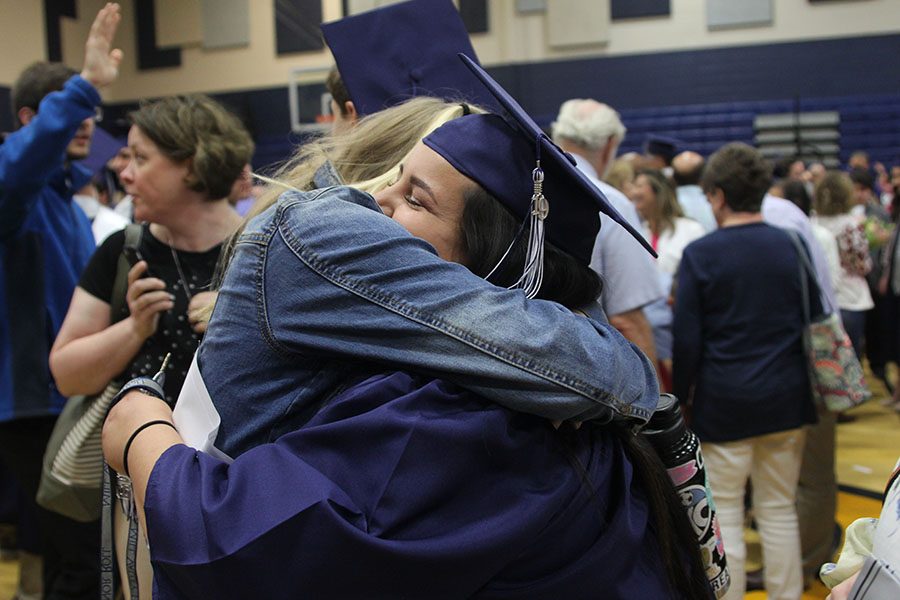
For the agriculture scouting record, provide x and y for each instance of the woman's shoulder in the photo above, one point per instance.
(100, 272)
(331, 193)
(713, 239)
(109, 251)
(835, 222)
(113, 243)
(823, 235)
(755, 237)
(688, 228)
(293, 200)
(312, 215)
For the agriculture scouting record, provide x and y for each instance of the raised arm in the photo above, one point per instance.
(31, 154)
(360, 286)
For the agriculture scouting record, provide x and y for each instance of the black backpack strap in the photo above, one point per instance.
(118, 306)
(118, 311)
(807, 269)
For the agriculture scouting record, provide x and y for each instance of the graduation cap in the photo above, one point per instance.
(514, 161)
(396, 52)
(660, 145)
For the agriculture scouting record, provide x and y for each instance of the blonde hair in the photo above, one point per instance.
(367, 156)
(833, 195)
(667, 207)
(620, 173)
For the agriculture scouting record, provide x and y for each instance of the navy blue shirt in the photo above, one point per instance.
(738, 354)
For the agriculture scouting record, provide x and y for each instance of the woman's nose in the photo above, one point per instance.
(127, 175)
(384, 201)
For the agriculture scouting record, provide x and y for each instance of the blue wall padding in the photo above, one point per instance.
(705, 97)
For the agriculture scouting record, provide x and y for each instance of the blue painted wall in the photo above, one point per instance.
(715, 92)
(848, 66)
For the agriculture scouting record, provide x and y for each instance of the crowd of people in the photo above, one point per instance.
(416, 361)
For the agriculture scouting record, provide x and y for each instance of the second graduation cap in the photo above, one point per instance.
(396, 52)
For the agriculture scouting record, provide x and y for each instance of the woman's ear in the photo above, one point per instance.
(717, 202)
(350, 112)
(190, 177)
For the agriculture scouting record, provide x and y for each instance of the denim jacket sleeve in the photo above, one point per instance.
(366, 289)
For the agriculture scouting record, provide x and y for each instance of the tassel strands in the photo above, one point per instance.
(533, 275)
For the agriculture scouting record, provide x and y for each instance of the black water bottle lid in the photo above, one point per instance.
(666, 416)
(666, 428)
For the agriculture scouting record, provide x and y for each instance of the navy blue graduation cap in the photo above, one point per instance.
(514, 161)
(660, 145)
(396, 52)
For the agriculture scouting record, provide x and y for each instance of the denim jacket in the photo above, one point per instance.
(324, 290)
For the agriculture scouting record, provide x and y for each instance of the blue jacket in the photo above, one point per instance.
(45, 243)
(323, 290)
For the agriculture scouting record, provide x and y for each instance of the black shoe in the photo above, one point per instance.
(836, 540)
(755, 580)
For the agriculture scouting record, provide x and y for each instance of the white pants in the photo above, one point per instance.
(772, 462)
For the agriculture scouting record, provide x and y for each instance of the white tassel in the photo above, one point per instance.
(533, 275)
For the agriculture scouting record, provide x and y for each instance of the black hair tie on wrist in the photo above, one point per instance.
(465, 107)
(135, 434)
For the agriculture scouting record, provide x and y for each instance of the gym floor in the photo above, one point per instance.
(867, 449)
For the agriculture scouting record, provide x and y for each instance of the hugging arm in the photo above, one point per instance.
(404, 306)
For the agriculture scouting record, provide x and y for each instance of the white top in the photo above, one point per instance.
(829, 246)
(672, 242)
(104, 220)
(884, 545)
(852, 291)
(695, 206)
(787, 215)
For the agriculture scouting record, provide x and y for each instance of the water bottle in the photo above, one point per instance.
(679, 449)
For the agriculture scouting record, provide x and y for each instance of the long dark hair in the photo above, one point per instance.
(795, 191)
(678, 544)
(487, 228)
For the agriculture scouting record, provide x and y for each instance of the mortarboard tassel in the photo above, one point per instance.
(533, 275)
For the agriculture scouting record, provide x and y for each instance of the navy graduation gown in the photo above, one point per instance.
(405, 487)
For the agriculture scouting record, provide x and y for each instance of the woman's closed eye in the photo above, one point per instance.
(411, 200)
